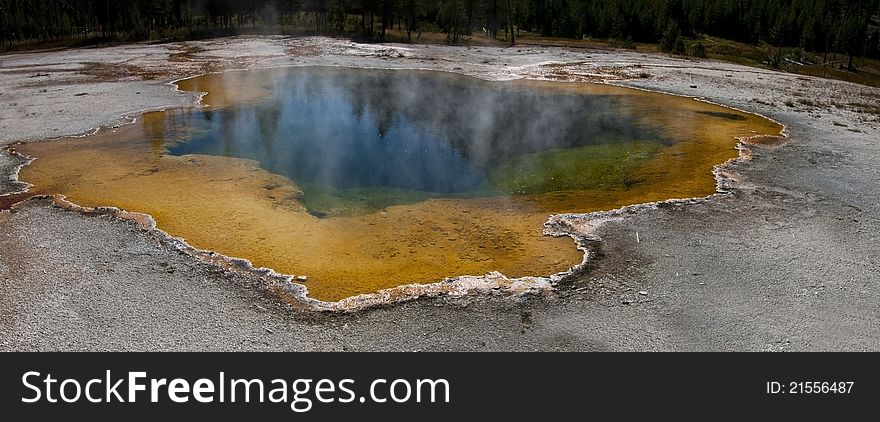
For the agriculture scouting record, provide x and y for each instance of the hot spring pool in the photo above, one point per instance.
(368, 179)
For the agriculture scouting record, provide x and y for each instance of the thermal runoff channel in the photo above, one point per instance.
(362, 180)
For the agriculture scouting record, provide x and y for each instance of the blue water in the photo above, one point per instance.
(389, 137)
(325, 142)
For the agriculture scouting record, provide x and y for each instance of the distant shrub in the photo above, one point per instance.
(770, 55)
(423, 26)
(352, 23)
(627, 43)
(699, 50)
(671, 42)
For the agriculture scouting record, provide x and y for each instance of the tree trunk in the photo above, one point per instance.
(409, 22)
(493, 20)
(510, 23)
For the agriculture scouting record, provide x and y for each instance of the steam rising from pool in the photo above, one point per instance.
(381, 138)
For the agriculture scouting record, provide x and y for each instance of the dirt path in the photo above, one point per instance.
(788, 262)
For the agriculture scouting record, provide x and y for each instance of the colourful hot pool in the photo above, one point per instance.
(368, 179)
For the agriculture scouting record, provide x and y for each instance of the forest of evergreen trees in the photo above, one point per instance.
(849, 27)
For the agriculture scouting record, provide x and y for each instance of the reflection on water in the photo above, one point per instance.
(385, 137)
(367, 179)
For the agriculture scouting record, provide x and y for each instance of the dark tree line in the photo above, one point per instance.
(848, 27)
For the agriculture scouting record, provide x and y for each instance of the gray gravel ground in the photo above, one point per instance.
(788, 262)
(9, 165)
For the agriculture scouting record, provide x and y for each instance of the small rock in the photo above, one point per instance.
(643, 293)
(300, 278)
